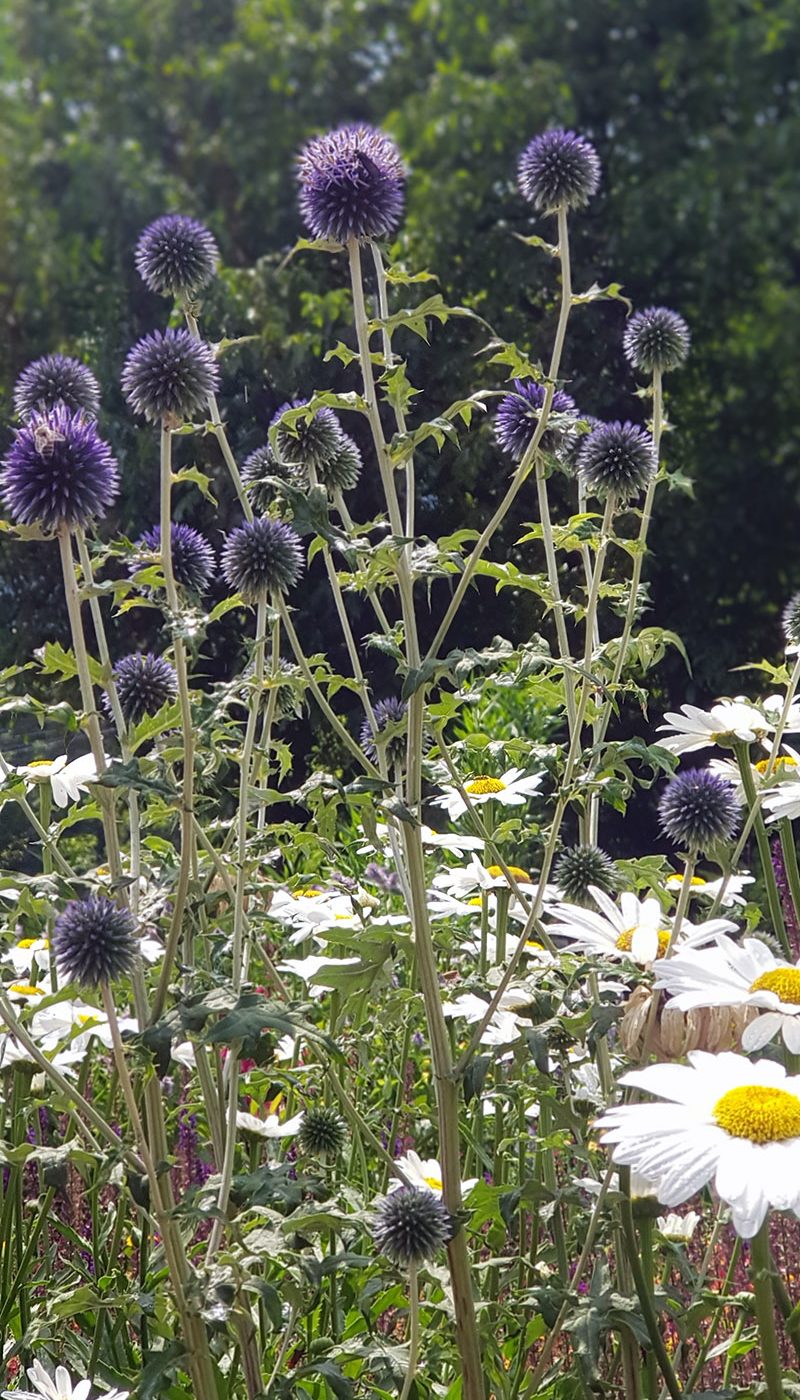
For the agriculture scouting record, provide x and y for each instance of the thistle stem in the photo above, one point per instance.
(414, 1331)
(762, 842)
(645, 1297)
(220, 433)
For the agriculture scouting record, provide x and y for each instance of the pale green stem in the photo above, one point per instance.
(794, 681)
(220, 433)
(414, 1330)
(229, 1154)
(264, 743)
(644, 1292)
(245, 780)
(760, 1271)
(371, 592)
(228, 886)
(388, 360)
(764, 853)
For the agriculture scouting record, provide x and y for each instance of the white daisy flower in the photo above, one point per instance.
(505, 1026)
(463, 879)
(26, 953)
(738, 974)
(730, 889)
(724, 1120)
(511, 789)
(67, 780)
(425, 1175)
(678, 1228)
(636, 928)
(57, 1387)
(269, 1127)
(782, 801)
(306, 968)
(692, 728)
(533, 949)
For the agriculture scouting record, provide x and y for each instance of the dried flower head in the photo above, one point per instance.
(143, 682)
(388, 712)
(656, 339)
(558, 169)
(322, 1132)
(193, 563)
(582, 866)
(617, 459)
(94, 941)
(59, 471)
(309, 443)
(169, 375)
(56, 379)
(176, 255)
(699, 808)
(259, 472)
(411, 1225)
(262, 557)
(351, 184)
(519, 413)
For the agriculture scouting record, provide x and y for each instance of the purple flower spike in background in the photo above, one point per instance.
(56, 379)
(144, 683)
(58, 471)
(656, 339)
(519, 413)
(617, 459)
(351, 184)
(176, 255)
(558, 170)
(699, 808)
(262, 557)
(94, 941)
(193, 562)
(169, 376)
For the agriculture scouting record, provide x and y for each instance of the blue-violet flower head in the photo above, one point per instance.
(169, 375)
(261, 558)
(144, 682)
(94, 941)
(558, 169)
(617, 459)
(176, 255)
(699, 808)
(519, 414)
(351, 184)
(56, 379)
(58, 471)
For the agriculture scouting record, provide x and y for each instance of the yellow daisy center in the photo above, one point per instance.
(537, 947)
(29, 942)
(306, 894)
(783, 981)
(435, 1182)
(759, 1113)
(625, 941)
(495, 870)
(40, 763)
(784, 760)
(696, 880)
(476, 900)
(24, 989)
(484, 786)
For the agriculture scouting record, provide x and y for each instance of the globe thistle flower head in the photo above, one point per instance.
(519, 413)
(58, 471)
(390, 711)
(579, 868)
(351, 184)
(341, 471)
(791, 620)
(56, 379)
(617, 459)
(169, 375)
(94, 941)
(262, 557)
(193, 563)
(143, 682)
(699, 808)
(656, 339)
(322, 1132)
(260, 470)
(310, 443)
(558, 169)
(176, 255)
(411, 1225)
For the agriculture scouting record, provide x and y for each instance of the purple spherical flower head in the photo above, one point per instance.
(558, 169)
(58, 471)
(56, 379)
(169, 375)
(698, 808)
(617, 459)
(310, 443)
(390, 711)
(94, 941)
(144, 682)
(193, 562)
(176, 255)
(351, 184)
(411, 1225)
(656, 339)
(260, 470)
(261, 558)
(519, 414)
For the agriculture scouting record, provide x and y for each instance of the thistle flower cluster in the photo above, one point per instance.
(558, 170)
(519, 414)
(176, 255)
(322, 1132)
(94, 941)
(656, 340)
(580, 867)
(617, 459)
(58, 471)
(390, 711)
(54, 380)
(143, 684)
(193, 562)
(260, 470)
(698, 808)
(169, 376)
(262, 557)
(351, 184)
(411, 1225)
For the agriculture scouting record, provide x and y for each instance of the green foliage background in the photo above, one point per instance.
(114, 111)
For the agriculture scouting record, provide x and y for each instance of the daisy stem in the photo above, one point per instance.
(219, 431)
(719, 1312)
(764, 855)
(761, 1267)
(645, 1230)
(643, 1291)
(794, 681)
(789, 850)
(414, 1331)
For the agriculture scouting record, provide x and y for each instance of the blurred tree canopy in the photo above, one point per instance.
(115, 111)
